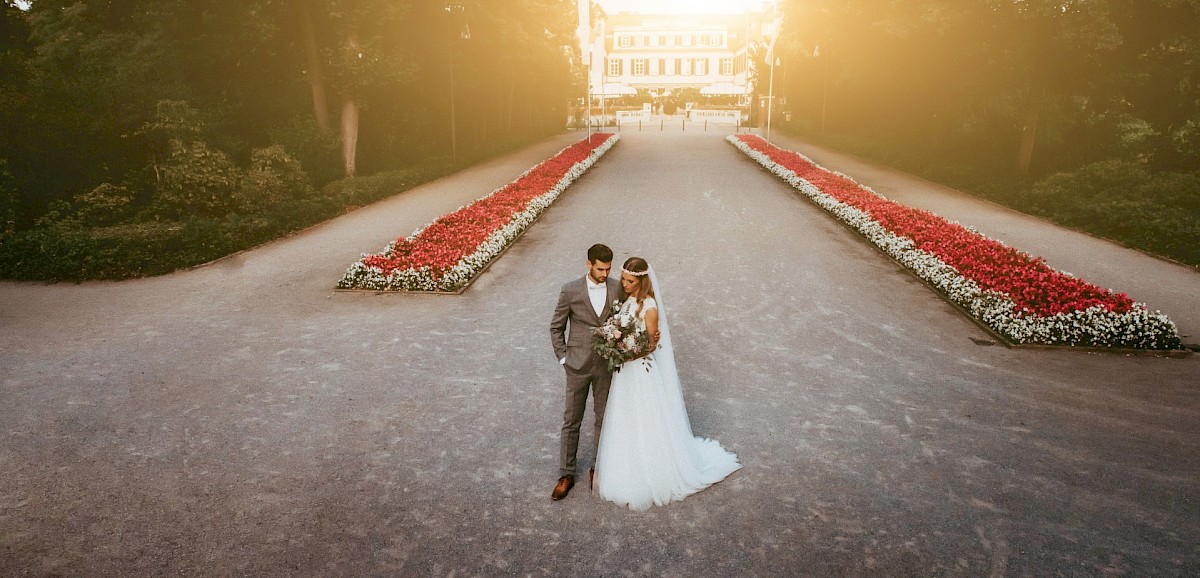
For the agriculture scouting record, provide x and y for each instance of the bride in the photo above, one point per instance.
(647, 453)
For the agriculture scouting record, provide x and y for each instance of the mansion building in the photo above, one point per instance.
(660, 54)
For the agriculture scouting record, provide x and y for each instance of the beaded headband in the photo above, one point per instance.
(635, 273)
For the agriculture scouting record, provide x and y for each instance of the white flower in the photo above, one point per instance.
(359, 276)
(1096, 326)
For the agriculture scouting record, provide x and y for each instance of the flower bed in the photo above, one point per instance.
(1019, 296)
(448, 253)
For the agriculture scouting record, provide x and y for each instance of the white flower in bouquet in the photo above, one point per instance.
(620, 339)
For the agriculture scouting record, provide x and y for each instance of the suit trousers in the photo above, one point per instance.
(597, 378)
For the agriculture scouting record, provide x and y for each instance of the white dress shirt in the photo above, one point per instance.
(599, 294)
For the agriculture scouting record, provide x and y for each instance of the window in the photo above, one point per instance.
(662, 40)
(687, 67)
(715, 40)
(687, 40)
(626, 41)
(639, 66)
(701, 66)
(614, 67)
(727, 67)
(678, 69)
(662, 66)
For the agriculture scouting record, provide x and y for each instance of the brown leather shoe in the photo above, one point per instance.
(564, 485)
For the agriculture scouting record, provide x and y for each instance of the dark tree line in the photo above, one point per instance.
(1036, 85)
(127, 110)
(1083, 111)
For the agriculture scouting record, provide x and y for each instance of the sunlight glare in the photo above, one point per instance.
(683, 6)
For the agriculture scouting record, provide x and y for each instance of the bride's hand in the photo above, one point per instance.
(651, 349)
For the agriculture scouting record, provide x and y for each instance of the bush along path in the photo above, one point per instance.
(1018, 296)
(447, 254)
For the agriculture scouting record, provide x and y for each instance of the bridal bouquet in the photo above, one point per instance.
(619, 339)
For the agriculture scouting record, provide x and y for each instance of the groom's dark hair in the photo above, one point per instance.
(600, 252)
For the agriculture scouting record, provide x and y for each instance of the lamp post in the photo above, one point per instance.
(603, 72)
(772, 61)
(587, 93)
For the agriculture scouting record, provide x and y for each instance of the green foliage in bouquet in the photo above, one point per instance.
(620, 339)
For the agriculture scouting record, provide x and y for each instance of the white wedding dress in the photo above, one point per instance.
(647, 453)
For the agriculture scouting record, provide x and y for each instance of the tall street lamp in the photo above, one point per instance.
(772, 61)
(587, 92)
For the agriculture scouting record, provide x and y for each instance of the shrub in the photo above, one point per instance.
(318, 152)
(104, 205)
(1124, 201)
(274, 177)
(196, 181)
(172, 120)
(360, 191)
(1070, 191)
(10, 201)
(193, 217)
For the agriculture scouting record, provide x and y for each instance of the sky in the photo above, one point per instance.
(652, 6)
(681, 6)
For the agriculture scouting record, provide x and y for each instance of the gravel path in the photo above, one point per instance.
(243, 418)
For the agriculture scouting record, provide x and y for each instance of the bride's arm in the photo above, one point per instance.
(651, 330)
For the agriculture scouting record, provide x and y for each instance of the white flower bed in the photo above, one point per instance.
(361, 276)
(1095, 326)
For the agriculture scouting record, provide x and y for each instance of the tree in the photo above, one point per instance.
(83, 80)
(974, 78)
(349, 45)
(1159, 79)
(15, 50)
(1060, 47)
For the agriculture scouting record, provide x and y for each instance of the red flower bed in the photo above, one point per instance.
(1033, 286)
(451, 237)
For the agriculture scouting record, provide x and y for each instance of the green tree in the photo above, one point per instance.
(15, 50)
(1052, 82)
(367, 76)
(1159, 79)
(350, 51)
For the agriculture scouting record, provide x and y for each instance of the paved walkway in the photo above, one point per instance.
(1161, 284)
(243, 418)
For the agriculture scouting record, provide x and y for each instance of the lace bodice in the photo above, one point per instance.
(630, 307)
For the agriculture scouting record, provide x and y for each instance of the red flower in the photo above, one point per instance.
(442, 244)
(1033, 285)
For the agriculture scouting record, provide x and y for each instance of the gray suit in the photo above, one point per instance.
(584, 368)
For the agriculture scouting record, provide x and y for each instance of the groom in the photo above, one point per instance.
(583, 304)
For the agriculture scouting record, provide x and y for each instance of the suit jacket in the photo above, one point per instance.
(574, 319)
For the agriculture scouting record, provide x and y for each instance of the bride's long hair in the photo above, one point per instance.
(644, 287)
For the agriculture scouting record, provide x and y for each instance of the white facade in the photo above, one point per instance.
(663, 53)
